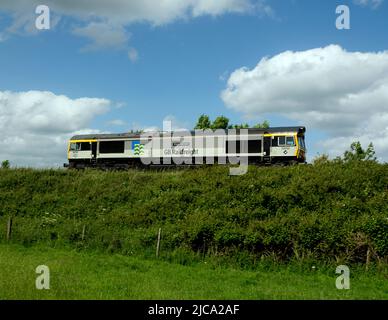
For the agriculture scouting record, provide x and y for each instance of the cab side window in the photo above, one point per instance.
(290, 141)
(85, 146)
(75, 146)
(282, 141)
(275, 141)
(80, 146)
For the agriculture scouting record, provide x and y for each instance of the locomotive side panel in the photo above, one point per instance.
(275, 145)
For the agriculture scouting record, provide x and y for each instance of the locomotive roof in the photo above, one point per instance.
(138, 135)
(106, 136)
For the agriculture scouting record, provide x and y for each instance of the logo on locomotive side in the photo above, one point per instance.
(178, 147)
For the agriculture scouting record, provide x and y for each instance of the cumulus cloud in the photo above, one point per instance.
(369, 3)
(105, 22)
(116, 123)
(176, 124)
(103, 35)
(133, 54)
(35, 125)
(171, 121)
(344, 94)
(206, 7)
(127, 12)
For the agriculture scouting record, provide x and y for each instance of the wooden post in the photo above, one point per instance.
(83, 233)
(158, 243)
(9, 228)
(367, 259)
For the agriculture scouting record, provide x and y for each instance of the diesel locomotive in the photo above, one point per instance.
(272, 146)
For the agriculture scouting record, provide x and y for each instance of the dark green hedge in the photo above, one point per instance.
(331, 211)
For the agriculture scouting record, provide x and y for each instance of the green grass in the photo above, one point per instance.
(331, 212)
(223, 237)
(92, 275)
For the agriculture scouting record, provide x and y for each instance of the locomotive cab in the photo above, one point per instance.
(301, 153)
(287, 145)
(81, 151)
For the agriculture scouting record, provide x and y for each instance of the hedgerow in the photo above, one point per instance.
(332, 211)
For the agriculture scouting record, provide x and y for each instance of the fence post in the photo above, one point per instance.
(158, 243)
(83, 233)
(367, 259)
(9, 228)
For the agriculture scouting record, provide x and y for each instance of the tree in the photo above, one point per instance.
(239, 126)
(220, 123)
(5, 164)
(139, 131)
(264, 125)
(321, 159)
(357, 153)
(203, 122)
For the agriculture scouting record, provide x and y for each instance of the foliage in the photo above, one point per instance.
(5, 164)
(328, 212)
(222, 122)
(136, 131)
(357, 153)
(239, 126)
(321, 159)
(203, 122)
(263, 125)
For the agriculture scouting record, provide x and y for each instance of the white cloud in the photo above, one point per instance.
(176, 125)
(116, 123)
(344, 94)
(103, 35)
(206, 7)
(127, 12)
(3, 37)
(150, 129)
(133, 54)
(23, 23)
(35, 125)
(105, 22)
(369, 3)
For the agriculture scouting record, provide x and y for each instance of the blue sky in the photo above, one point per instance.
(183, 65)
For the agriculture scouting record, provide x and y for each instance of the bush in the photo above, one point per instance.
(315, 211)
(5, 164)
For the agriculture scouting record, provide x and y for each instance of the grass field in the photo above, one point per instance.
(255, 236)
(92, 275)
(331, 212)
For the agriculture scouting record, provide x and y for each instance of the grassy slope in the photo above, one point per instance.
(285, 218)
(90, 275)
(331, 212)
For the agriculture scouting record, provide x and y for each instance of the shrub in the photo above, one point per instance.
(5, 164)
(281, 213)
